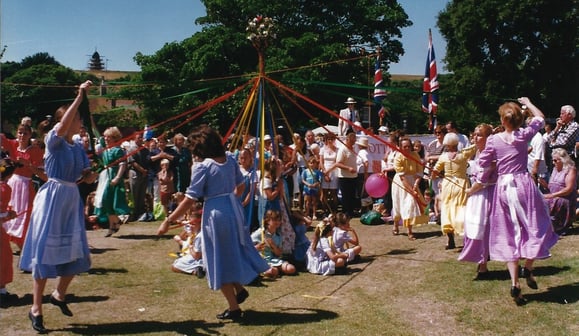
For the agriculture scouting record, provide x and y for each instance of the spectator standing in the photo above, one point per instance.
(183, 161)
(536, 164)
(433, 151)
(463, 141)
(138, 170)
(166, 185)
(349, 113)
(328, 154)
(347, 174)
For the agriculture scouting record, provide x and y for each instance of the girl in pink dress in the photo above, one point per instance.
(520, 223)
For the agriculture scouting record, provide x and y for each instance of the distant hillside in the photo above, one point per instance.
(399, 78)
(108, 75)
(111, 75)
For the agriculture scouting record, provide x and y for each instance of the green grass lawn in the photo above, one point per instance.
(401, 287)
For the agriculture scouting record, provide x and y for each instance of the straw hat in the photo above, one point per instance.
(362, 142)
(350, 100)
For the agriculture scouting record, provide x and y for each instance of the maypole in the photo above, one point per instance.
(261, 32)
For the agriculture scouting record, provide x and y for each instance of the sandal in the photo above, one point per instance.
(395, 232)
(411, 237)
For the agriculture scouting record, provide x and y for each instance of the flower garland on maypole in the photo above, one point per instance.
(261, 31)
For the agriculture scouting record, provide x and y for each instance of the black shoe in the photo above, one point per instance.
(230, 315)
(37, 323)
(517, 297)
(528, 275)
(109, 233)
(62, 305)
(451, 245)
(200, 273)
(241, 296)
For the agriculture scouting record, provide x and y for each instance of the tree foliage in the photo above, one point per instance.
(37, 86)
(503, 49)
(318, 42)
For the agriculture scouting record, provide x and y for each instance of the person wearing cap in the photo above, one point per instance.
(349, 113)
(383, 130)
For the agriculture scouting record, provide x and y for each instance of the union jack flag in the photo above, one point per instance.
(379, 91)
(430, 85)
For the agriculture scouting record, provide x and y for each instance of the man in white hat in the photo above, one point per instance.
(349, 113)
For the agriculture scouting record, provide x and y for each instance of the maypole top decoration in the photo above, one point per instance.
(261, 32)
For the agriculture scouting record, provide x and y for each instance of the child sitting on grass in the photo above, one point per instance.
(344, 236)
(268, 241)
(322, 257)
(190, 259)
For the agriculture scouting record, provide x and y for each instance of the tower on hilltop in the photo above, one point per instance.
(96, 62)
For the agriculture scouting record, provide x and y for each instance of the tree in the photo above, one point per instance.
(502, 49)
(38, 90)
(310, 33)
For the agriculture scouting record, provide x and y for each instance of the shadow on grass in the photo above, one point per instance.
(565, 294)
(94, 250)
(103, 271)
(286, 316)
(428, 234)
(26, 300)
(152, 236)
(145, 327)
(197, 327)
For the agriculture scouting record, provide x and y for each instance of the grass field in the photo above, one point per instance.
(401, 287)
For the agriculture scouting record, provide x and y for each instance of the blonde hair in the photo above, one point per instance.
(113, 132)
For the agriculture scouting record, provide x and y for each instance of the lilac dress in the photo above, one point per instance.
(520, 222)
(476, 220)
(228, 252)
(56, 243)
(562, 209)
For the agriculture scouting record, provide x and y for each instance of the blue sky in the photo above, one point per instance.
(71, 30)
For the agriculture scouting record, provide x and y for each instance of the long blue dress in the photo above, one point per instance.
(228, 252)
(56, 243)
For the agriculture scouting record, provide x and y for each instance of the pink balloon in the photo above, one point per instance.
(376, 185)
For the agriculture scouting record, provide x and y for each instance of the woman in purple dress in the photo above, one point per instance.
(562, 196)
(520, 223)
(477, 211)
(230, 257)
(56, 245)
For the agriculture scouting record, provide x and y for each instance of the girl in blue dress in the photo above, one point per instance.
(56, 243)
(231, 260)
